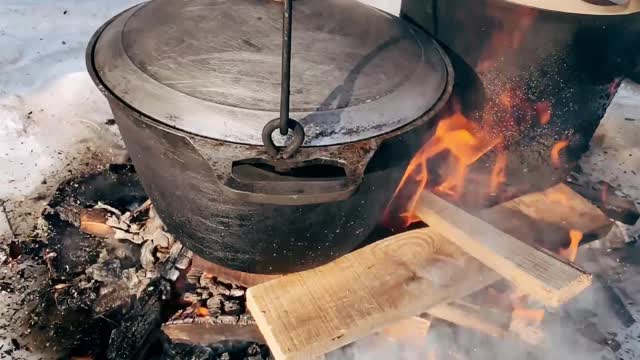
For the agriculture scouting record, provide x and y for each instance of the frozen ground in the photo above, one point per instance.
(52, 125)
(50, 112)
(52, 120)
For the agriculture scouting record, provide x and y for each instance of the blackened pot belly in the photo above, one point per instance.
(191, 108)
(183, 176)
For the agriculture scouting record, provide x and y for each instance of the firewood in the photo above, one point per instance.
(94, 222)
(318, 311)
(412, 330)
(494, 322)
(488, 321)
(545, 218)
(208, 331)
(536, 271)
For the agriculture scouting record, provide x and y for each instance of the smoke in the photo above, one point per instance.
(597, 324)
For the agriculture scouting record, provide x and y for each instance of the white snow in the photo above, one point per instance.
(49, 107)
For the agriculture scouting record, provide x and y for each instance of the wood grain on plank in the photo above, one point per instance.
(310, 313)
(536, 271)
(545, 218)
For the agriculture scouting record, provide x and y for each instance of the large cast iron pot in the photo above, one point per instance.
(192, 84)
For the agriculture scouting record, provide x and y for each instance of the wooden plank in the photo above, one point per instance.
(545, 218)
(411, 331)
(535, 271)
(323, 309)
(310, 313)
(492, 322)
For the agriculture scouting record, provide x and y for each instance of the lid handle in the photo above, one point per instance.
(284, 123)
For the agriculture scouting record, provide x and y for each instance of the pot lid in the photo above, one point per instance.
(212, 67)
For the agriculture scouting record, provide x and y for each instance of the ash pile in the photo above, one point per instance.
(102, 278)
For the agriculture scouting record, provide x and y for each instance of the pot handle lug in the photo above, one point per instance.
(312, 177)
(308, 182)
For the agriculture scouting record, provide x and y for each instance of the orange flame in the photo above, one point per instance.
(465, 142)
(572, 251)
(202, 311)
(544, 112)
(528, 316)
(523, 314)
(555, 152)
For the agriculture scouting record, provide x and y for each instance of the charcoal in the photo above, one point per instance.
(205, 280)
(215, 302)
(161, 239)
(146, 256)
(228, 319)
(106, 271)
(232, 307)
(236, 292)
(191, 297)
(112, 296)
(219, 289)
(130, 278)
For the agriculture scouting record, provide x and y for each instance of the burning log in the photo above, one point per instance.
(399, 277)
(539, 273)
(94, 222)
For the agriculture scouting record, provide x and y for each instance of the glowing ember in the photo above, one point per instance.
(544, 112)
(202, 311)
(572, 251)
(555, 152)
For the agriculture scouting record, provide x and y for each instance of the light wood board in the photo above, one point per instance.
(535, 271)
(310, 313)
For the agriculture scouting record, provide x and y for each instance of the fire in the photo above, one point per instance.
(459, 142)
(202, 311)
(464, 142)
(555, 152)
(544, 112)
(572, 251)
(529, 316)
(523, 314)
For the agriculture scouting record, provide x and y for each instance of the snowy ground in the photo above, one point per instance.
(52, 120)
(52, 125)
(50, 111)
